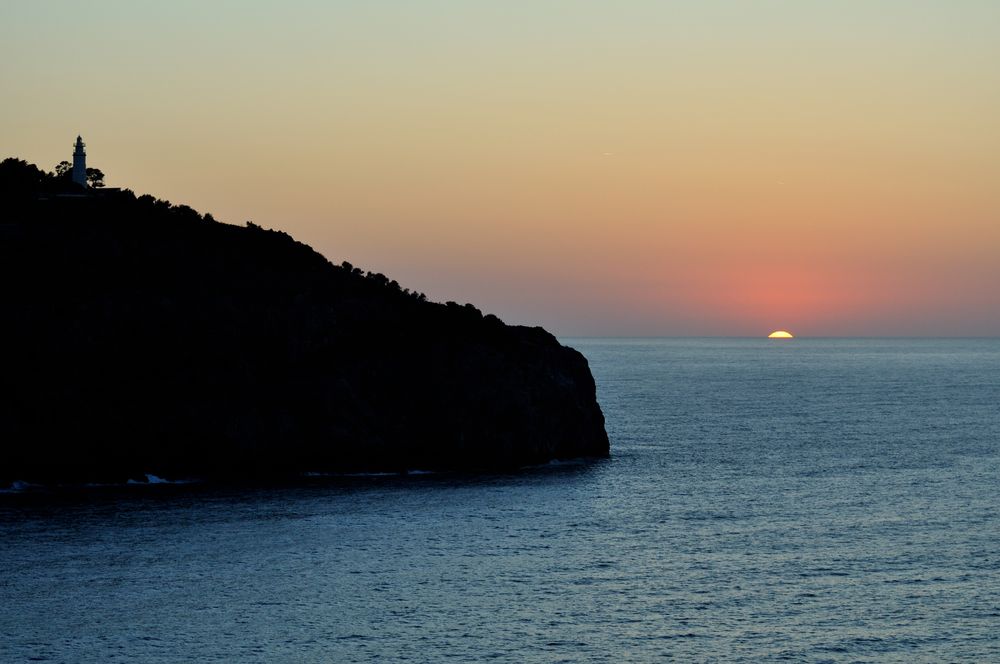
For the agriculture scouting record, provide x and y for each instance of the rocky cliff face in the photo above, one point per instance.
(141, 337)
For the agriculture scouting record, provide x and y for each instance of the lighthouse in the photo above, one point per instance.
(80, 163)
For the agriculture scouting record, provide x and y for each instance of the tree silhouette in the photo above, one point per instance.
(95, 178)
(18, 177)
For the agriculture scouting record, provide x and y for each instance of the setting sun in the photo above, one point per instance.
(780, 334)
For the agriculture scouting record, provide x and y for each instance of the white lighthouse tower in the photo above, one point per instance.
(80, 163)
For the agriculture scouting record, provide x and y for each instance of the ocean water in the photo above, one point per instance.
(810, 500)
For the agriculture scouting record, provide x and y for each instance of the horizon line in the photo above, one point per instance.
(764, 336)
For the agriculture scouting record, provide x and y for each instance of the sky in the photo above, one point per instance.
(627, 168)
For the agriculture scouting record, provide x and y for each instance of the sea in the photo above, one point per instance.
(810, 500)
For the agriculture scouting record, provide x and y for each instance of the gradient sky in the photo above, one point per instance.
(599, 168)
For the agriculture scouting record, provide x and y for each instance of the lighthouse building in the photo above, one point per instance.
(80, 163)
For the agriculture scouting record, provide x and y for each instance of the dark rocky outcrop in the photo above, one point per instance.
(140, 337)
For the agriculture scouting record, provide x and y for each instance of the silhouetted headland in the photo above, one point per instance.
(143, 337)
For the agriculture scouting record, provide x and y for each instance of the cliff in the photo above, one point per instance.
(141, 337)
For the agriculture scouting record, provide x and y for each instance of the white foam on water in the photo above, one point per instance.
(150, 479)
(17, 486)
(578, 461)
(556, 463)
